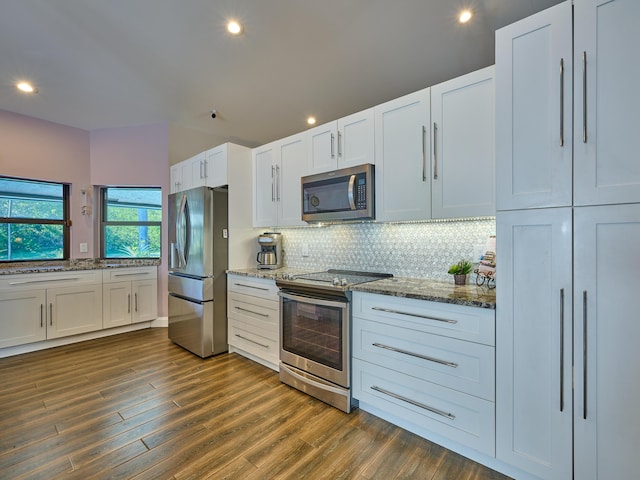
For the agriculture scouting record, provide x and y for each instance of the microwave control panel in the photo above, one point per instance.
(361, 192)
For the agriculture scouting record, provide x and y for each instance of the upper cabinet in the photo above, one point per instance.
(277, 169)
(606, 102)
(207, 169)
(403, 187)
(533, 111)
(344, 143)
(463, 149)
(534, 61)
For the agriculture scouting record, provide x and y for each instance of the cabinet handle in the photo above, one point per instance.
(584, 97)
(251, 311)
(562, 102)
(51, 314)
(332, 140)
(205, 169)
(278, 183)
(584, 355)
(129, 274)
(424, 153)
(200, 168)
(562, 349)
(442, 413)
(417, 355)
(41, 316)
(129, 303)
(339, 144)
(250, 286)
(135, 296)
(273, 185)
(435, 151)
(27, 282)
(252, 341)
(446, 320)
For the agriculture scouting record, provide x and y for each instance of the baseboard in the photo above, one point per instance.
(160, 322)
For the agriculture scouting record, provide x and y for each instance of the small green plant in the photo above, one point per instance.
(463, 267)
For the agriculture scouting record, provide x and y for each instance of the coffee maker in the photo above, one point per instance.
(270, 254)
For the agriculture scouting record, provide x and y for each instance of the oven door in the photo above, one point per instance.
(314, 336)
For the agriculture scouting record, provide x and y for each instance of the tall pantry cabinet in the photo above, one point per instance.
(568, 227)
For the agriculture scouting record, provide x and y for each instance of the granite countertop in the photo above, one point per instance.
(419, 288)
(12, 268)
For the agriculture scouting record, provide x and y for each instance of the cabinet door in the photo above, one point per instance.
(533, 111)
(144, 300)
(463, 162)
(215, 166)
(533, 342)
(116, 304)
(356, 139)
(607, 167)
(186, 174)
(197, 168)
(265, 211)
(322, 149)
(175, 178)
(402, 143)
(293, 165)
(74, 310)
(607, 333)
(23, 318)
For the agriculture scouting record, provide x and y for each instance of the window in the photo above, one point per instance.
(130, 223)
(34, 220)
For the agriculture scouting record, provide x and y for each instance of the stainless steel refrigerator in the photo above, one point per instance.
(198, 253)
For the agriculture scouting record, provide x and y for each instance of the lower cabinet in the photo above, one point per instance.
(130, 295)
(253, 311)
(427, 364)
(44, 306)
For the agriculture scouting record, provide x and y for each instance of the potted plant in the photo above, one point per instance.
(460, 271)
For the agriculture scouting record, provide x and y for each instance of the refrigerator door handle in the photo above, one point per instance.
(182, 232)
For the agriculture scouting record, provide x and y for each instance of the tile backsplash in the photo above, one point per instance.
(420, 250)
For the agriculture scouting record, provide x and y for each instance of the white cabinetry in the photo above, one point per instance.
(463, 132)
(175, 178)
(567, 295)
(403, 187)
(253, 310)
(427, 365)
(130, 295)
(277, 169)
(49, 305)
(343, 143)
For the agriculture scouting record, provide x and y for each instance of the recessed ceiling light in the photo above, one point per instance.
(465, 16)
(311, 120)
(26, 87)
(234, 27)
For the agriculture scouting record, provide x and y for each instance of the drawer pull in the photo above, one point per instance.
(388, 310)
(413, 354)
(251, 311)
(129, 274)
(252, 341)
(251, 286)
(437, 411)
(45, 281)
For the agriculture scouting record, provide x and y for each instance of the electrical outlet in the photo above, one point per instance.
(84, 248)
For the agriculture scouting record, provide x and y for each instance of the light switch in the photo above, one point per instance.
(84, 248)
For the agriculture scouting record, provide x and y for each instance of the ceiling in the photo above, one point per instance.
(101, 64)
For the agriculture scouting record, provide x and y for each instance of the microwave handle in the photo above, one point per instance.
(352, 182)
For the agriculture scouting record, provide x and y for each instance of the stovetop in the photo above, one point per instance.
(332, 279)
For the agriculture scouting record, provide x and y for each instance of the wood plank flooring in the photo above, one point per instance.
(136, 406)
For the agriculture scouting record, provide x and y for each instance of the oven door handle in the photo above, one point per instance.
(305, 298)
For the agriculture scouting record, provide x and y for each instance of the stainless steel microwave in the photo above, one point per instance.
(339, 195)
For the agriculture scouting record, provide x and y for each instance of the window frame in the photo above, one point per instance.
(104, 223)
(65, 222)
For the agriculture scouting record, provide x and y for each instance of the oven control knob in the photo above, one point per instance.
(336, 281)
(344, 282)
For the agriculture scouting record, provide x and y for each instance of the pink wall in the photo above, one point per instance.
(37, 149)
(135, 156)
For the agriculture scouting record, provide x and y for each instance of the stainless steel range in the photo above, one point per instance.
(315, 333)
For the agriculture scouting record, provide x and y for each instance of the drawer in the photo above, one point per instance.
(462, 418)
(456, 321)
(110, 275)
(255, 314)
(257, 287)
(264, 348)
(29, 281)
(464, 366)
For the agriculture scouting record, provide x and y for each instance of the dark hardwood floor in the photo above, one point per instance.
(136, 406)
